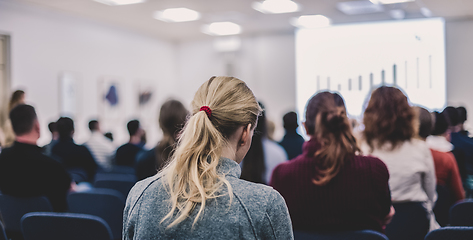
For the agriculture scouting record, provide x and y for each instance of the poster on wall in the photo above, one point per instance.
(68, 94)
(145, 95)
(110, 98)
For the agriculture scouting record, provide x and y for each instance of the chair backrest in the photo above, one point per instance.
(60, 226)
(107, 204)
(449, 233)
(461, 214)
(120, 182)
(345, 235)
(3, 235)
(13, 208)
(409, 222)
(123, 169)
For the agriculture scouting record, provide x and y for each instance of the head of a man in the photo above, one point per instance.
(134, 128)
(25, 123)
(94, 126)
(65, 127)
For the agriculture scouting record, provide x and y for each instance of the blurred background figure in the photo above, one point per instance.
(126, 153)
(271, 128)
(77, 159)
(449, 184)
(172, 117)
(390, 131)
(264, 155)
(100, 146)
(47, 149)
(17, 97)
(330, 187)
(109, 136)
(292, 141)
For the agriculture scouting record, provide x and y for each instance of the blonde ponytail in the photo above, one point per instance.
(191, 176)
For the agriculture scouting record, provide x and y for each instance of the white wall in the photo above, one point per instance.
(46, 43)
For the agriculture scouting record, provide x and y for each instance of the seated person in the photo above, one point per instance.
(24, 170)
(74, 158)
(330, 186)
(100, 146)
(126, 154)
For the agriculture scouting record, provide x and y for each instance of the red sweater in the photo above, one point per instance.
(447, 173)
(357, 198)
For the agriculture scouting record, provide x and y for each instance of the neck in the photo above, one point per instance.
(28, 139)
(229, 153)
(135, 140)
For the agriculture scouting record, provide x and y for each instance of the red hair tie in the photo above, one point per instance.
(207, 110)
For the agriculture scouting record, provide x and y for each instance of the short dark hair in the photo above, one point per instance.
(290, 121)
(65, 127)
(93, 125)
(22, 119)
(462, 114)
(133, 127)
(452, 115)
(425, 122)
(441, 123)
(52, 127)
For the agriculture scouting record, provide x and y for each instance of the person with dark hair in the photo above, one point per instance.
(75, 158)
(109, 136)
(264, 155)
(17, 97)
(463, 117)
(100, 147)
(54, 139)
(292, 142)
(390, 134)
(24, 170)
(330, 187)
(172, 117)
(126, 154)
(449, 184)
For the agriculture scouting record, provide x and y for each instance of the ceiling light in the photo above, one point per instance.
(390, 1)
(359, 7)
(426, 12)
(119, 2)
(311, 21)
(276, 6)
(221, 29)
(177, 15)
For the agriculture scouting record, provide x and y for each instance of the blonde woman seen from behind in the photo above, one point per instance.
(199, 195)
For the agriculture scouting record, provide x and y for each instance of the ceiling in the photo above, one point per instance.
(138, 17)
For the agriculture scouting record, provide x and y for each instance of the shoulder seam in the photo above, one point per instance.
(248, 214)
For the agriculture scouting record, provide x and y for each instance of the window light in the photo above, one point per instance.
(119, 2)
(221, 29)
(311, 21)
(177, 15)
(276, 6)
(390, 1)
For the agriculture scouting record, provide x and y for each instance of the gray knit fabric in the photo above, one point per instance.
(256, 212)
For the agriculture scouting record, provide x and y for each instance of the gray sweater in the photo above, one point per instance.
(256, 212)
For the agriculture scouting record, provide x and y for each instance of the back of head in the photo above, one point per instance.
(425, 122)
(327, 121)
(290, 121)
(462, 114)
(65, 127)
(17, 98)
(253, 163)
(453, 117)
(93, 125)
(52, 127)
(389, 118)
(22, 119)
(133, 126)
(441, 124)
(220, 106)
(172, 118)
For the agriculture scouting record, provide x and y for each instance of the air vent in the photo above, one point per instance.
(359, 7)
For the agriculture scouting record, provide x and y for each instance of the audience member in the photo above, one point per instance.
(390, 128)
(264, 155)
(199, 194)
(462, 117)
(449, 184)
(75, 158)
(17, 97)
(292, 142)
(462, 147)
(24, 170)
(109, 135)
(126, 154)
(54, 139)
(330, 187)
(100, 146)
(172, 118)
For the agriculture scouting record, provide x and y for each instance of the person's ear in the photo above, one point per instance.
(245, 135)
